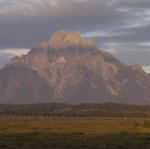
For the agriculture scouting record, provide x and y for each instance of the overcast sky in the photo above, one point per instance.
(119, 26)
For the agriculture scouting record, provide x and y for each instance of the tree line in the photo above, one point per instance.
(82, 110)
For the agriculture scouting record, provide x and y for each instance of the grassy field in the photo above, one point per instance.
(74, 133)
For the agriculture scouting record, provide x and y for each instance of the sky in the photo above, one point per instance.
(121, 27)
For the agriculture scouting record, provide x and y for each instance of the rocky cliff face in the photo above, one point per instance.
(68, 68)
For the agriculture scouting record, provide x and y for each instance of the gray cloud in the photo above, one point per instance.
(119, 26)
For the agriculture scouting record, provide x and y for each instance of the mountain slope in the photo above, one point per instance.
(22, 85)
(68, 68)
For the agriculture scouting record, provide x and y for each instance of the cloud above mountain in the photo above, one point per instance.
(147, 69)
(13, 52)
(119, 26)
(37, 7)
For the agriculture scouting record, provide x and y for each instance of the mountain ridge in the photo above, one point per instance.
(76, 71)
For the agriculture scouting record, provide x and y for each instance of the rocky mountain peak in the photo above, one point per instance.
(61, 35)
(62, 39)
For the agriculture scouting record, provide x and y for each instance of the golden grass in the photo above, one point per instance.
(86, 126)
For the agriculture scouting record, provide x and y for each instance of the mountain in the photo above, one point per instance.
(70, 69)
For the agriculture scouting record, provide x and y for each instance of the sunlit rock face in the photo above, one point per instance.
(68, 68)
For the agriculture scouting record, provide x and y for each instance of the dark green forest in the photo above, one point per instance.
(82, 110)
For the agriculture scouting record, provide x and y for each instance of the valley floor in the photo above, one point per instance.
(74, 133)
